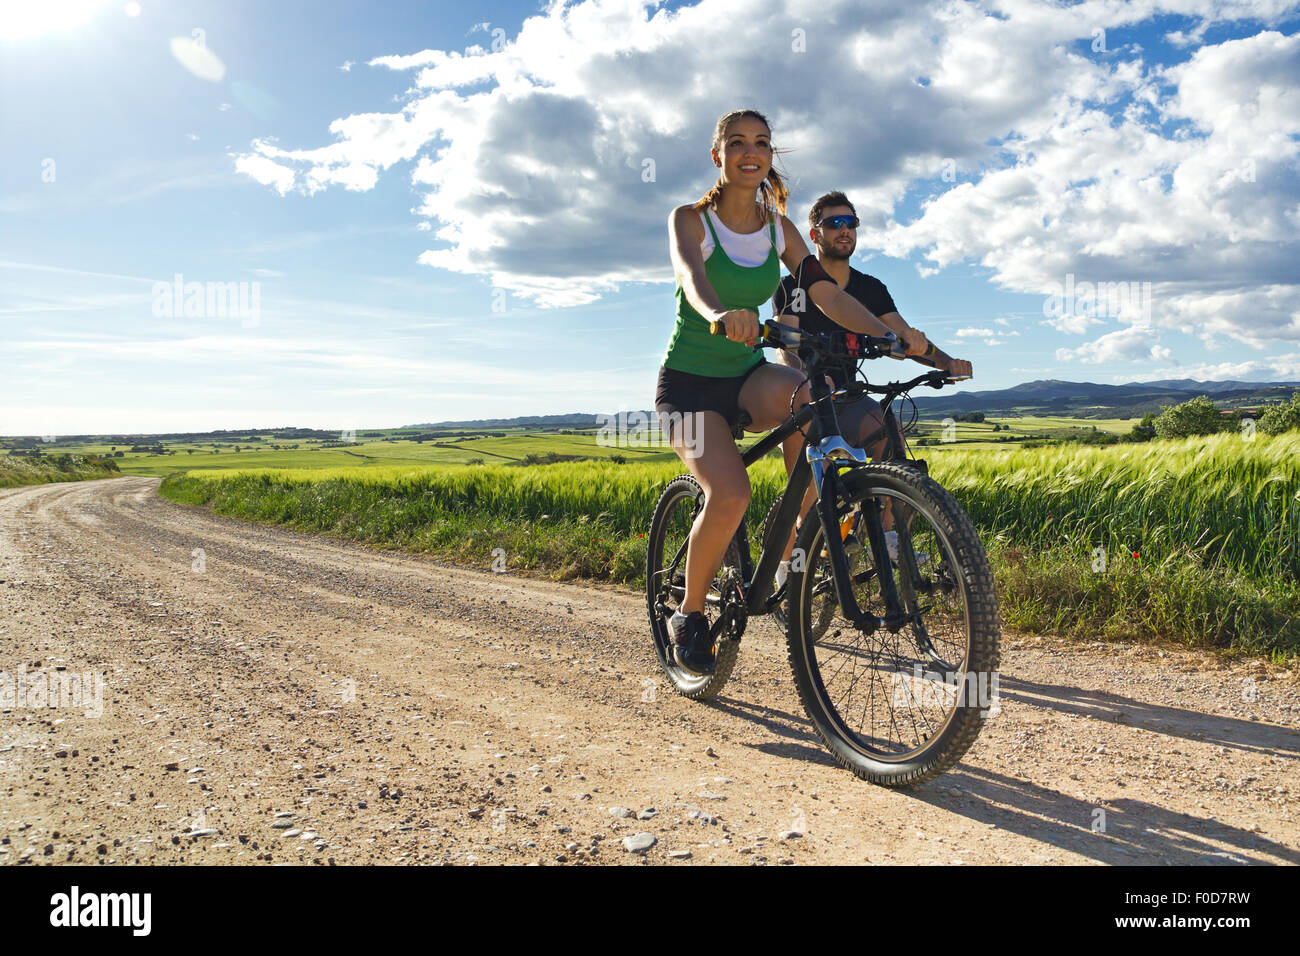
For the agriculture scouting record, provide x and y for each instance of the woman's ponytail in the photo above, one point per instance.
(713, 195)
(774, 190)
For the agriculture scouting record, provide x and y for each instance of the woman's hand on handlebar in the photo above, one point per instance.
(742, 325)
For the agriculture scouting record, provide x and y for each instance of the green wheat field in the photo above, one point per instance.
(1195, 540)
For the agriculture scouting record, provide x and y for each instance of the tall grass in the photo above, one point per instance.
(620, 494)
(1232, 503)
(20, 470)
(1200, 538)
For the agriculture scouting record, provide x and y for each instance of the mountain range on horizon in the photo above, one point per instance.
(1043, 397)
(1038, 397)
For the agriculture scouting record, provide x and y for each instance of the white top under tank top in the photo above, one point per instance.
(748, 249)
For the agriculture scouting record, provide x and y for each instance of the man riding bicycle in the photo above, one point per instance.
(833, 223)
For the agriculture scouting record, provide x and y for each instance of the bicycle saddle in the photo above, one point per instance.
(743, 421)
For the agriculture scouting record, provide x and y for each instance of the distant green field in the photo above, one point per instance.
(964, 436)
(395, 447)
(1032, 424)
(369, 452)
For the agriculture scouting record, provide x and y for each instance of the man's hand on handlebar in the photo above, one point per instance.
(742, 325)
(916, 342)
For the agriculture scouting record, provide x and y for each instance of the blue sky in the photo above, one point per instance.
(446, 212)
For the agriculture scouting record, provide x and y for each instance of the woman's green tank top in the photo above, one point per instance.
(692, 348)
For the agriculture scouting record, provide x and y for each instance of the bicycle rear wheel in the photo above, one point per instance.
(898, 707)
(665, 582)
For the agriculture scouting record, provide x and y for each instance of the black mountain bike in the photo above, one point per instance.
(889, 609)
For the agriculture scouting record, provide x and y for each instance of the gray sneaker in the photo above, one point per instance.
(692, 644)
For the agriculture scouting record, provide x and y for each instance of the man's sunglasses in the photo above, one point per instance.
(839, 222)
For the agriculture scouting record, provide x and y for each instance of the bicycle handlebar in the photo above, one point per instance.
(850, 345)
(777, 335)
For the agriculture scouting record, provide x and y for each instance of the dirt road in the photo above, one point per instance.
(276, 697)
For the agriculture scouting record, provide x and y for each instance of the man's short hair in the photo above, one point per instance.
(835, 198)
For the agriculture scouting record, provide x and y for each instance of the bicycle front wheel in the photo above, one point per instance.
(898, 707)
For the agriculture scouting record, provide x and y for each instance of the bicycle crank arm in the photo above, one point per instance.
(680, 594)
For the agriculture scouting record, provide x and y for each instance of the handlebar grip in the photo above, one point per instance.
(898, 350)
(719, 327)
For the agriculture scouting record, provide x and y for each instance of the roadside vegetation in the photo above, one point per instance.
(37, 469)
(1195, 540)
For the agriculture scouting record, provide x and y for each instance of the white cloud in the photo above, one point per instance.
(1132, 344)
(1256, 316)
(64, 270)
(266, 172)
(1073, 324)
(529, 150)
(1205, 213)
(987, 336)
(1269, 369)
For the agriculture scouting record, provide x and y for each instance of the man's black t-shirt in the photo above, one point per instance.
(868, 290)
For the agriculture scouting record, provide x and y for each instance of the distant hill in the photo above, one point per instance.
(573, 420)
(1039, 397)
(1093, 400)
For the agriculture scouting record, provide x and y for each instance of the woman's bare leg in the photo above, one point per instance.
(703, 441)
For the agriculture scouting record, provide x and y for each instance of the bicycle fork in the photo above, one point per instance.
(827, 478)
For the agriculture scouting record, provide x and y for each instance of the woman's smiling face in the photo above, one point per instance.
(746, 153)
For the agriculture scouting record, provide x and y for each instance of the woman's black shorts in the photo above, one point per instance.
(680, 392)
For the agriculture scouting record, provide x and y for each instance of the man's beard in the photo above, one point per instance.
(835, 251)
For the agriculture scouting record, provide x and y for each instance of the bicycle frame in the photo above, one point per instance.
(817, 465)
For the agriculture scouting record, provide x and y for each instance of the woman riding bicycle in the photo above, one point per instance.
(724, 251)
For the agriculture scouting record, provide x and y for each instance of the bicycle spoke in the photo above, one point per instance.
(893, 690)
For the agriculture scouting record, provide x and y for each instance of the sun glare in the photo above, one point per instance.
(25, 19)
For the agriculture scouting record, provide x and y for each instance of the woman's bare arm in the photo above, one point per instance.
(685, 233)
